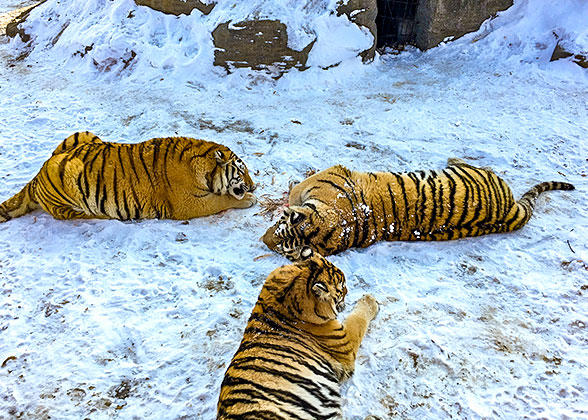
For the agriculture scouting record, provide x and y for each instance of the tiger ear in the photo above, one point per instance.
(220, 158)
(320, 289)
(306, 253)
(296, 216)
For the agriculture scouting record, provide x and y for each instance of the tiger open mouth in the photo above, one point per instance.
(238, 190)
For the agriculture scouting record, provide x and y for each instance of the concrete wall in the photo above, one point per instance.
(438, 19)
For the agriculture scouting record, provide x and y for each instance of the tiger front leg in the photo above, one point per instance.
(248, 200)
(211, 204)
(356, 326)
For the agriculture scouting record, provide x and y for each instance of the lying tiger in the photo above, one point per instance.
(295, 353)
(337, 209)
(165, 178)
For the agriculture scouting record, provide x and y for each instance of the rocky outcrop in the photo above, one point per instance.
(563, 51)
(258, 44)
(362, 13)
(439, 19)
(13, 28)
(177, 7)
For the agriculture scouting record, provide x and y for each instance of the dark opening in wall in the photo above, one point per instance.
(396, 22)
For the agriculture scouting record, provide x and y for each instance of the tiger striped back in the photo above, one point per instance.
(337, 209)
(294, 353)
(167, 178)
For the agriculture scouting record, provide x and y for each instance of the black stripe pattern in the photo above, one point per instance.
(356, 209)
(163, 177)
(286, 368)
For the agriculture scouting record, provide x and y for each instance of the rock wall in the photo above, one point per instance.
(263, 44)
(177, 7)
(259, 34)
(258, 44)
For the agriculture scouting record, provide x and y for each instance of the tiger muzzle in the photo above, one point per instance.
(269, 238)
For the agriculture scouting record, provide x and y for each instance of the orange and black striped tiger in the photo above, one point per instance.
(337, 209)
(165, 178)
(295, 353)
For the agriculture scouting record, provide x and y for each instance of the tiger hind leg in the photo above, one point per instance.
(67, 213)
(460, 162)
(454, 161)
(22, 203)
(75, 140)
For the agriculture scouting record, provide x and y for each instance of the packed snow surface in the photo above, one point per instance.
(139, 320)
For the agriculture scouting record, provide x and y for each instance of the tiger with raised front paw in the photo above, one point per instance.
(295, 353)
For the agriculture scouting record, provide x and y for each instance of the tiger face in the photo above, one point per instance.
(234, 177)
(328, 292)
(312, 290)
(290, 235)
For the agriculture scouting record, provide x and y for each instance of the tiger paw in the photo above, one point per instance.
(247, 201)
(292, 184)
(455, 161)
(369, 304)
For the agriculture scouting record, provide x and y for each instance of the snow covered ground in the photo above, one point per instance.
(139, 320)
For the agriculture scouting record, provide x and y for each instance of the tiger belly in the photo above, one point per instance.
(450, 204)
(90, 183)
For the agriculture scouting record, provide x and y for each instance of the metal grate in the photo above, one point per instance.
(396, 22)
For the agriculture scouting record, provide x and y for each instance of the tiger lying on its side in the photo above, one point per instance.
(166, 178)
(295, 353)
(337, 209)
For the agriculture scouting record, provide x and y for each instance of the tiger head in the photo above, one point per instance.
(232, 176)
(312, 290)
(290, 235)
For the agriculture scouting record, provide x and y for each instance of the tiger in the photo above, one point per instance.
(295, 353)
(165, 178)
(337, 209)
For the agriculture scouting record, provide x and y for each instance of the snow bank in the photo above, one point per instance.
(119, 37)
(528, 32)
(101, 36)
